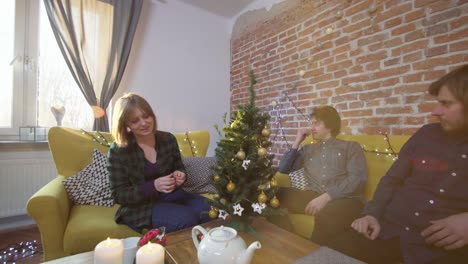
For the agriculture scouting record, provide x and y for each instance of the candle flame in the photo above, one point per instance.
(110, 243)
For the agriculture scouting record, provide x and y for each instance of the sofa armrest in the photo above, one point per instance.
(282, 179)
(49, 208)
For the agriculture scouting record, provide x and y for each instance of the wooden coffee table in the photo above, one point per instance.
(278, 245)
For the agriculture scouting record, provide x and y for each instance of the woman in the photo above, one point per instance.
(146, 171)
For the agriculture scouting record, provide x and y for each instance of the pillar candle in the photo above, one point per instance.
(109, 251)
(150, 253)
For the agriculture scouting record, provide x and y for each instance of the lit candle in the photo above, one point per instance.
(109, 251)
(150, 253)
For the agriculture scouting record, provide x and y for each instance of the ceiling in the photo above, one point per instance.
(225, 8)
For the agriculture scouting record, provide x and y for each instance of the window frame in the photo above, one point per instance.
(24, 68)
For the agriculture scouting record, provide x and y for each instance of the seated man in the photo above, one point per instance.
(337, 172)
(419, 212)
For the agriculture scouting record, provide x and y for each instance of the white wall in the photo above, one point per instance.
(258, 4)
(180, 62)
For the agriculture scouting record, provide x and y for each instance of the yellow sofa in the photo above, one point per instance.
(377, 167)
(68, 229)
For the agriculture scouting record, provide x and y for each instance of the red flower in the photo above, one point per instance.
(157, 235)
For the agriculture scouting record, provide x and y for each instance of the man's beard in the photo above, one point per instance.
(458, 132)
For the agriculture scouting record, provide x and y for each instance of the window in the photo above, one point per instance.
(35, 76)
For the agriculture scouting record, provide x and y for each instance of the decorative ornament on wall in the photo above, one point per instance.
(372, 8)
(319, 46)
(339, 14)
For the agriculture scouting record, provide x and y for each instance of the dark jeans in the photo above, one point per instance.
(380, 251)
(334, 219)
(179, 210)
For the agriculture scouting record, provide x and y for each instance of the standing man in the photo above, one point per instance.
(336, 171)
(419, 212)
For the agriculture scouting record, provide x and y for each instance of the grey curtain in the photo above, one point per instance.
(95, 37)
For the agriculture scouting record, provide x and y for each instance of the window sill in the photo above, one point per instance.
(13, 143)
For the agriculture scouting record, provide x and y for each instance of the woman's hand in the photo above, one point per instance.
(165, 184)
(179, 177)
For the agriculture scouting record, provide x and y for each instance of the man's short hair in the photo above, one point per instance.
(330, 118)
(457, 83)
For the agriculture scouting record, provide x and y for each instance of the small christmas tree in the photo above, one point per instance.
(244, 172)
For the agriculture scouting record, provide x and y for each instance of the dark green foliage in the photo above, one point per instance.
(244, 131)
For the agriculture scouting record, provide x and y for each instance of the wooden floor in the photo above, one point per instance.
(12, 238)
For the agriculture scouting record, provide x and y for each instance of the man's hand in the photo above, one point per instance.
(314, 206)
(179, 177)
(301, 135)
(368, 225)
(165, 184)
(450, 232)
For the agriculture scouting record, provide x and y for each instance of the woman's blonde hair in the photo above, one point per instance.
(124, 107)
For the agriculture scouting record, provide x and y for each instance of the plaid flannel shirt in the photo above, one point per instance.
(126, 166)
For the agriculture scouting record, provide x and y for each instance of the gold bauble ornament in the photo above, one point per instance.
(230, 186)
(240, 154)
(213, 213)
(274, 202)
(262, 152)
(266, 132)
(273, 183)
(262, 198)
(216, 178)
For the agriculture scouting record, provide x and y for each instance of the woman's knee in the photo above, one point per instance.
(186, 219)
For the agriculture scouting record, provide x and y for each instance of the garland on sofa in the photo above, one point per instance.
(193, 147)
(97, 137)
(389, 151)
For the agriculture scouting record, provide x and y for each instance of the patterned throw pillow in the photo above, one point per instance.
(298, 180)
(199, 174)
(91, 185)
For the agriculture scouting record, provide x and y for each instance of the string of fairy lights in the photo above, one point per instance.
(19, 251)
(97, 137)
(278, 109)
(100, 139)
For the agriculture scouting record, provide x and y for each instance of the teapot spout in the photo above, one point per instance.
(246, 257)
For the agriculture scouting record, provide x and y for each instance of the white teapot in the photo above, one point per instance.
(222, 245)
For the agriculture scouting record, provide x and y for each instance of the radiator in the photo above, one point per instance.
(19, 180)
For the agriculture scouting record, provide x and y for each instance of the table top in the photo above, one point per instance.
(278, 245)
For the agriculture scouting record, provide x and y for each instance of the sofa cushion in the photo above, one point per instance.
(298, 180)
(90, 186)
(88, 225)
(199, 174)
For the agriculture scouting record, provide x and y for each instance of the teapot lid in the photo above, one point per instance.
(222, 233)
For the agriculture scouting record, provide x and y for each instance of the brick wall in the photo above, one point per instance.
(372, 60)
